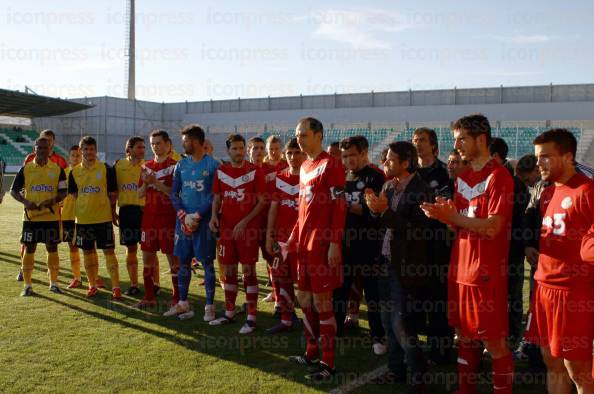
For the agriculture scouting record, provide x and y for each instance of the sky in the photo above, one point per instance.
(201, 50)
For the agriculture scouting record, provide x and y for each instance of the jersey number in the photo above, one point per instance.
(308, 193)
(28, 237)
(556, 223)
(200, 185)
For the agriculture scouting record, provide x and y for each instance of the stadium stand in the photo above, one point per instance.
(519, 139)
(15, 145)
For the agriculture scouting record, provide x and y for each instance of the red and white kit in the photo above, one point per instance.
(158, 220)
(561, 315)
(239, 189)
(478, 265)
(322, 215)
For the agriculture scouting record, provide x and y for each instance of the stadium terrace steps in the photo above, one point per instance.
(14, 151)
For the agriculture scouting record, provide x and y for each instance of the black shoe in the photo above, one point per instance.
(389, 378)
(132, 291)
(302, 360)
(280, 327)
(277, 312)
(55, 289)
(157, 290)
(19, 276)
(324, 374)
(27, 292)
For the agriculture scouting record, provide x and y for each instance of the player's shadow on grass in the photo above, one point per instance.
(266, 353)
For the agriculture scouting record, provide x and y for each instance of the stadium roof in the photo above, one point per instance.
(19, 104)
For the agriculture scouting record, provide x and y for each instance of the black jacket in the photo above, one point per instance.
(532, 218)
(362, 237)
(409, 225)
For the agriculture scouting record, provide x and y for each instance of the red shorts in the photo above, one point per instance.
(284, 271)
(478, 312)
(233, 251)
(314, 274)
(157, 233)
(562, 320)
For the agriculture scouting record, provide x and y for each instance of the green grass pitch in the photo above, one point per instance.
(68, 343)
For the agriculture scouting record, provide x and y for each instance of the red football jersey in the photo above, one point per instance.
(156, 201)
(239, 189)
(588, 246)
(567, 214)
(269, 172)
(481, 259)
(322, 207)
(285, 190)
(269, 169)
(55, 157)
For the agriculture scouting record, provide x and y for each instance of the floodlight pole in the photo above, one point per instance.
(132, 53)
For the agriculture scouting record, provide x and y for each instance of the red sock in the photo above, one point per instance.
(503, 374)
(175, 288)
(273, 282)
(327, 337)
(286, 297)
(311, 328)
(230, 287)
(469, 356)
(251, 295)
(149, 285)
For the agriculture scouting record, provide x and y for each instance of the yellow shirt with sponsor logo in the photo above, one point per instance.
(40, 183)
(175, 155)
(92, 187)
(128, 177)
(69, 201)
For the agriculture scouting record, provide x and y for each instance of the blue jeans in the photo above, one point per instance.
(401, 314)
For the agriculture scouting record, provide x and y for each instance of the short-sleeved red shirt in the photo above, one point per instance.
(285, 191)
(55, 157)
(158, 202)
(239, 189)
(567, 215)
(481, 260)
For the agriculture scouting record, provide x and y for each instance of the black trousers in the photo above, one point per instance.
(370, 273)
(440, 335)
(515, 285)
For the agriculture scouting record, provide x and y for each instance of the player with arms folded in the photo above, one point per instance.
(158, 221)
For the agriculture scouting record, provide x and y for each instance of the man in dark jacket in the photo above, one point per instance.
(434, 173)
(403, 283)
(515, 283)
(361, 241)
